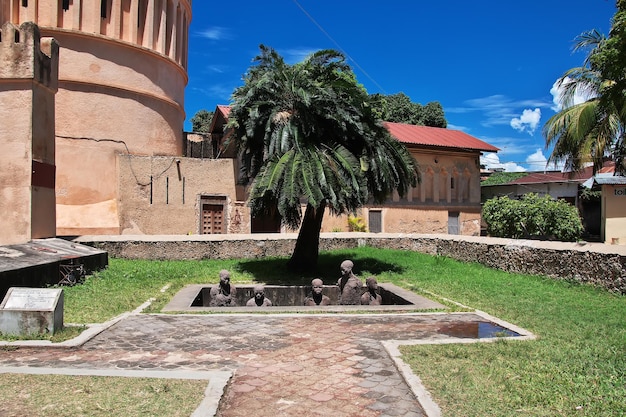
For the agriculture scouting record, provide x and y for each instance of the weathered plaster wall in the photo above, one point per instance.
(122, 77)
(28, 83)
(112, 99)
(614, 213)
(404, 218)
(447, 178)
(154, 199)
(592, 263)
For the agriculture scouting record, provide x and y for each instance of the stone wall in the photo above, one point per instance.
(593, 263)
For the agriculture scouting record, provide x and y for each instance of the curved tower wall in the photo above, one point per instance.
(122, 75)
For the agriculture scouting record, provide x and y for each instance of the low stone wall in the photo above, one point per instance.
(593, 263)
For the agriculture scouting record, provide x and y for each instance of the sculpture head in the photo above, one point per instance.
(371, 283)
(259, 292)
(224, 278)
(317, 286)
(346, 267)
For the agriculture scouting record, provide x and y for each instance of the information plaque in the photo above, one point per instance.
(32, 298)
(26, 311)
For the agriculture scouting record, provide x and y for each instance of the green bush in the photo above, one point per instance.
(356, 224)
(532, 217)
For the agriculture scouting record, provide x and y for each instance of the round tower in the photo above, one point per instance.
(122, 75)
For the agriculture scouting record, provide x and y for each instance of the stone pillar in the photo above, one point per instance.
(28, 84)
(148, 34)
(162, 34)
(134, 17)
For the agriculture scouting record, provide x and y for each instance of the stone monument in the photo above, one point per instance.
(27, 311)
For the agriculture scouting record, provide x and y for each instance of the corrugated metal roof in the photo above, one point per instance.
(545, 177)
(555, 176)
(225, 110)
(436, 136)
(609, 179)
(423, 135)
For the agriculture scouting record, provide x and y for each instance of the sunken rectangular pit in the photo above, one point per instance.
(290, 298)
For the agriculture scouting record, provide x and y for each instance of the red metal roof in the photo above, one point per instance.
(556, 176)
(423, 135)
(436, 136)
(225, 110)
(545, 177)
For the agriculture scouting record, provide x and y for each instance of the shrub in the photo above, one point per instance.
(532, 217)
(356, 224)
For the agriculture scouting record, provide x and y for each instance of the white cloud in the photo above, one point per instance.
(456, 127)
(556, 90)
(295, 55)
(216, 68)
(220, 92)
(537, 161)
(528, 121)
(492, 161)
(215, 33)
(497, 109)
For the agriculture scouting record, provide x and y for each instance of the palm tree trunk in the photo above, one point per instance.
(306, 252)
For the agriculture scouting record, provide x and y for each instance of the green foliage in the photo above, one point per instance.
(201, 121)
(499, 178)
(433, 115)
(399, 108)
(306, 133)
(356, 224)
(588, 194)
(532, 217)
(589, 131)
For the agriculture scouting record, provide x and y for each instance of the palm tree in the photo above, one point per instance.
(590, 131)
(306, 135)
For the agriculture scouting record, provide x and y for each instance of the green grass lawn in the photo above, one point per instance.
(576, 367)
(77, 396)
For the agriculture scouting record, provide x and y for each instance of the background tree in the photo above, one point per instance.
(201, 121)
(593, 130)
(307, 135)
(432, 115)
(399, 108)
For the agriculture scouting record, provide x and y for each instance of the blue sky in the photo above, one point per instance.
(491, 63)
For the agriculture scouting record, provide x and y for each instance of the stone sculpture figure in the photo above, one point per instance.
(350, 286)
(371, 296)
(223, 294)
(259, 299)
(316, 298)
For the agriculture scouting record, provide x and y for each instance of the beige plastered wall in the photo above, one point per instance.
(28, 82)
(16, 161)
(154, 199)
(614, 214)
(418, 212)
(113, 98)
(408, 219)
(449, 182)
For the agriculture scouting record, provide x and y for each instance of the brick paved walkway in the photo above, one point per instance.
(282, 365)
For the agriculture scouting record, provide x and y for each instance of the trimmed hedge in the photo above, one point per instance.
(532, 217)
